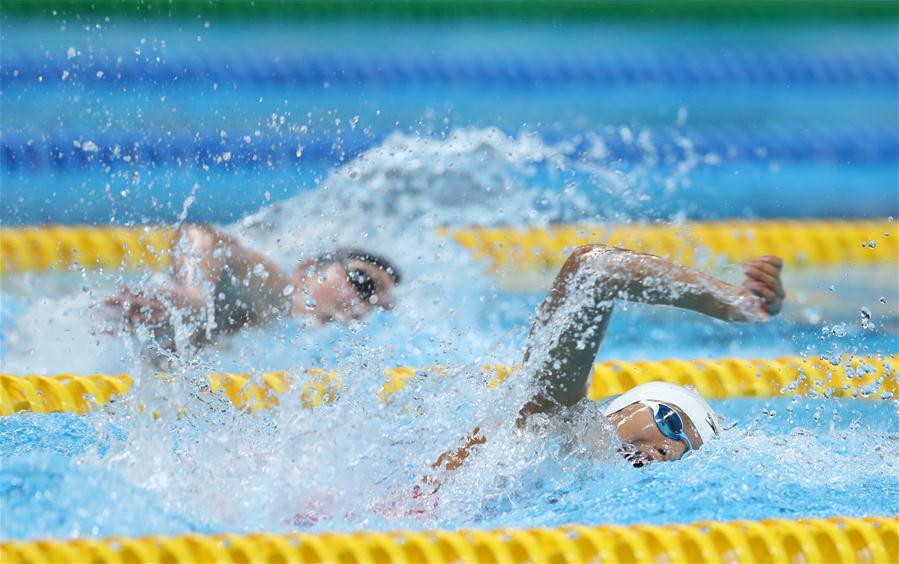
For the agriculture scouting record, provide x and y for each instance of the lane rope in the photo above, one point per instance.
(856, 377)
(762, 67)
(20, 153)
(26, 249)
(838, 539)
(533, 249)
(798, 242)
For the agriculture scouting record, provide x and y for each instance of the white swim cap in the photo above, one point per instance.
(692, 404)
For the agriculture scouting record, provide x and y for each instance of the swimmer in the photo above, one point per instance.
(219, 286)
(657, 421)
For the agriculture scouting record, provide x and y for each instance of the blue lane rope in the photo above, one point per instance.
(35, 154)
(727, 67)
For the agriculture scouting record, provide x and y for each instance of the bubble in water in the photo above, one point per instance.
(288, 290)
(310, 303)
(838, 330)
(260, 271)
(866, 318)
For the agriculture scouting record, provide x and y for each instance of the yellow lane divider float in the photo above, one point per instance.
(24, 249)
(866, 376)
(532, 249)
(841, 539)
(799, 243)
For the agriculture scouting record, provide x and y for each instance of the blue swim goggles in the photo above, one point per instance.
(669, 423)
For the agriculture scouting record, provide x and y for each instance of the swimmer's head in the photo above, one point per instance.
(344, 284)
(659, 421)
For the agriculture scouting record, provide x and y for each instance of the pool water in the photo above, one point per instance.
(393, 198)
(784, 458)
(119, 120)
(204, 466)
(417, 133)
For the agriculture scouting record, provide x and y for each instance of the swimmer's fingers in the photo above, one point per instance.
(771, 303)
(761, 290)
(760, 265)
(763, 275)
(772, 260)
(119, 299)
(128, 302)
(763, 278)
(139, 309)
(125, 296)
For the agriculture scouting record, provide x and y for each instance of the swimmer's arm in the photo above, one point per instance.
(192, 265)
(572, 321)
(201, 255)
(198, 257)
(452, 459)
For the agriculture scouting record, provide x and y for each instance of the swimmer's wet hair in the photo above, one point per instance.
(345, 255)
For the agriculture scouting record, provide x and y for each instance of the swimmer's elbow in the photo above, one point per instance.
(587, 254)
(190, 228)
(196, 231)
(201, 237)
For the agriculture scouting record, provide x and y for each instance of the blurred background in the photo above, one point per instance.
(118, 112)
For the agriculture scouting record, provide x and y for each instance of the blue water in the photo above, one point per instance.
(783, 110)
(304, 137)
(784, 458)
(350, 466)
(43, 322)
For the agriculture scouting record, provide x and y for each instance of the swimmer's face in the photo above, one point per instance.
(642, 442)
(338, 292)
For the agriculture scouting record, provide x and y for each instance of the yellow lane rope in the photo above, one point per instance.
(799, 243)
(839, 539)
(507, 249)
(721, 378)
(24, 249)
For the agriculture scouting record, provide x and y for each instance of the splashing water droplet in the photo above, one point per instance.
(866, 318)
(260, 271)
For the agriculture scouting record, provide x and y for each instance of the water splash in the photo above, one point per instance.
(354, 463)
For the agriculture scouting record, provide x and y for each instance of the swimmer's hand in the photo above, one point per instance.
(153, 310)
(762, 294)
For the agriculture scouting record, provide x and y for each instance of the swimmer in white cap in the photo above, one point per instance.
(656, 421)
